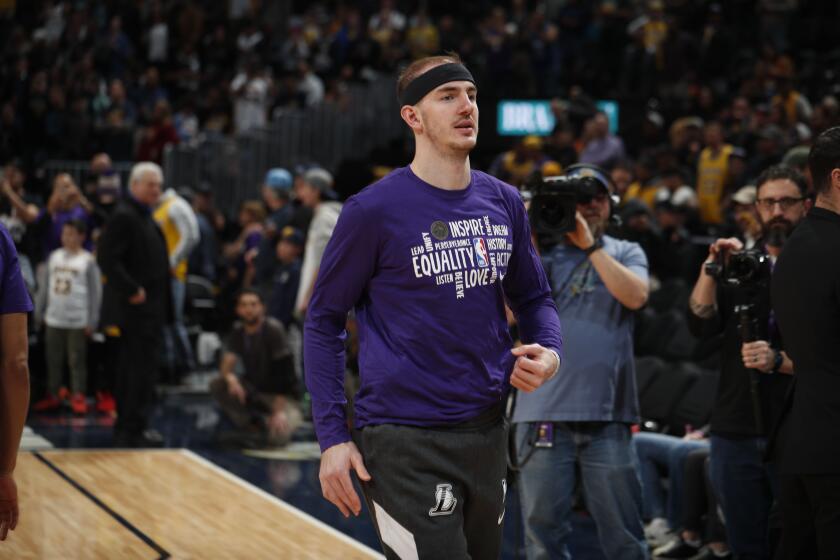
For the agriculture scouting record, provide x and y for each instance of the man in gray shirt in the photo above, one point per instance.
(583, 415)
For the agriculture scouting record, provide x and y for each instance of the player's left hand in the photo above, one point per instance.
(534, 366)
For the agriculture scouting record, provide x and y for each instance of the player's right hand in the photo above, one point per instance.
(336, 485)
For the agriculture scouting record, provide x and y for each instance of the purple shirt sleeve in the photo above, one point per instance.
(527, 290)
(13, 295)
(349, 262)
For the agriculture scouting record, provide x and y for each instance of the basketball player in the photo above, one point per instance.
(14, 375)
(427, 257)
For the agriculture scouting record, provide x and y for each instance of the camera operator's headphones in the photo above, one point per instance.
(586, 172)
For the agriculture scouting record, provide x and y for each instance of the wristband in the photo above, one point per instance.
(559, 361)
(592, 248)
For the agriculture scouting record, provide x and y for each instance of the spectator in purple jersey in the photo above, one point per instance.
(14, 375)
(242, 252)
(66, 203)
(601, 147)
(427, 258)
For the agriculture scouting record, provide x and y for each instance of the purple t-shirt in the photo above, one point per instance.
(252, 240)
(428, 272)
(13, 295)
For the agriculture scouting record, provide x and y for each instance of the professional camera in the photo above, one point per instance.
(554, 200)
(742, 269)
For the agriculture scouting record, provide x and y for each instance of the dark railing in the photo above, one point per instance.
(326, 135)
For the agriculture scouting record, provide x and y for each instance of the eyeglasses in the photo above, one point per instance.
(784, 203)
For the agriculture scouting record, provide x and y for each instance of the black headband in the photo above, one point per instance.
(427, 81)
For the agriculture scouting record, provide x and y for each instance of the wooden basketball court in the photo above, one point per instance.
(157, 504)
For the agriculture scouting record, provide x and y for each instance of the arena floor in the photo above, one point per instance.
(80, 498)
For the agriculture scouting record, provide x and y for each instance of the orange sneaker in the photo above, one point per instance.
(105, 402)
(79, 404)
(50, 402)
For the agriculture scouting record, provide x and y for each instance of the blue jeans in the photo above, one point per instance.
(610, 482)
(176, 342)
(745, 487)
(661, 455)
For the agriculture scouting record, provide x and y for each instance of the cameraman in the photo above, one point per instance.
(582, 417)
(754, 376)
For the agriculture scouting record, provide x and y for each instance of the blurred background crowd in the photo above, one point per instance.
(707, 95)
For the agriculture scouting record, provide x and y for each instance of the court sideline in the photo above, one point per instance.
(157, 504)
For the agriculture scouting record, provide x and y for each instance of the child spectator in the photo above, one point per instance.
(69, 305)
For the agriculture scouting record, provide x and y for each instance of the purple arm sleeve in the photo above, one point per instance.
(527, 290)
(349, 262)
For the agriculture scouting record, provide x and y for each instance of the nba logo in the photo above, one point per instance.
(481, 252)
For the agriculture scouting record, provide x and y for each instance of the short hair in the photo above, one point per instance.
(249, 292)
(255, 208)
(824, 157)
(142, 168)
(777, 172)
(62, 175)
(79, 225)
(422, 65)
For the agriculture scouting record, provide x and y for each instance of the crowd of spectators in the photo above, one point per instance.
(273, 247)
(132, 77)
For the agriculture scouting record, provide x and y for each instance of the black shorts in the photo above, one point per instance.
(437, 492)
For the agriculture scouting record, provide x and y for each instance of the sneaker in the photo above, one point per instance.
(676, 549)
(78, 402)
(105, 402)
(64, 394)
(658, 533)
(50, 402)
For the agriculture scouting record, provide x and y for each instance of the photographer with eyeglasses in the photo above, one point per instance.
(732, 298)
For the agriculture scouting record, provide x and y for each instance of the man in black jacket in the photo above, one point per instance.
(134, 263)
(754, 375)
(806, 297)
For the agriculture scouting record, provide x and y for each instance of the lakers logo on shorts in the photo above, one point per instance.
(504, 495)
(445, 500)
